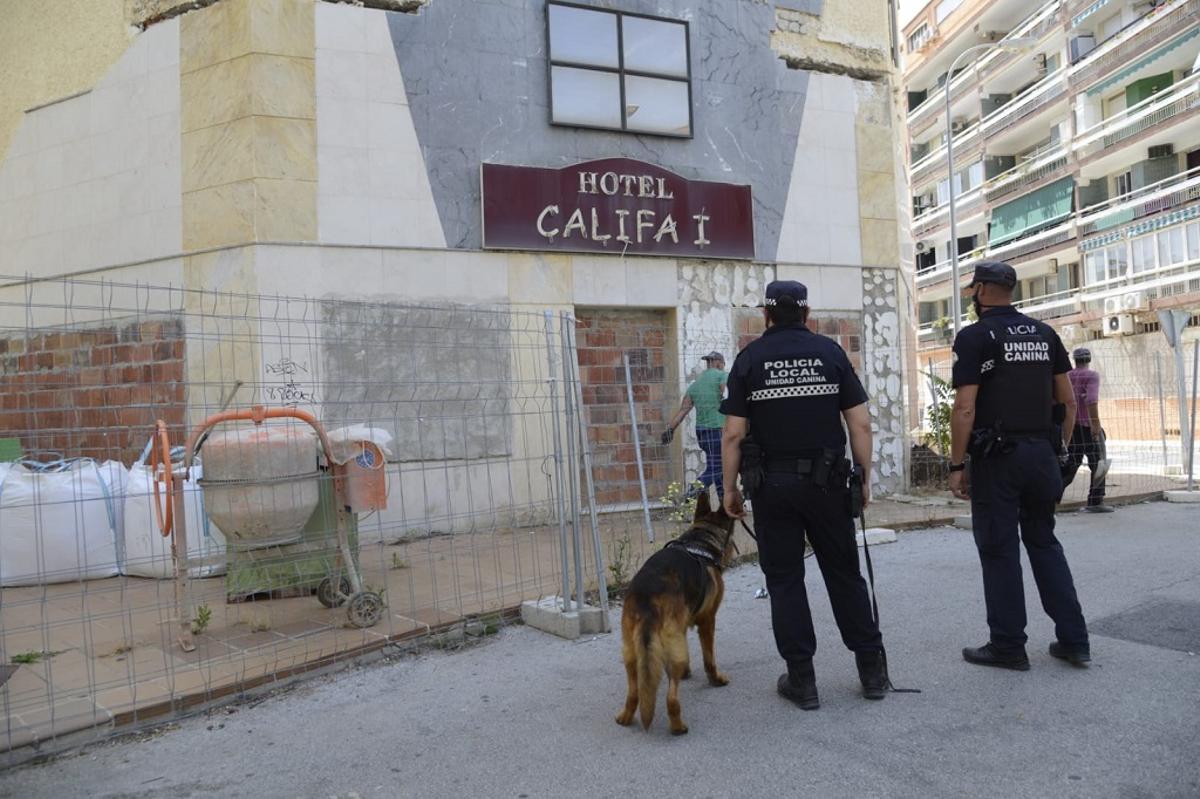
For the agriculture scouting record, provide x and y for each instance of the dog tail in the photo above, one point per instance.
(648, 646)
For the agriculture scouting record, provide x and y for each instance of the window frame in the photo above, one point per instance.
(621, 72)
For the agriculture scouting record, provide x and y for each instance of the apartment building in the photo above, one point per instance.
(1076, 159)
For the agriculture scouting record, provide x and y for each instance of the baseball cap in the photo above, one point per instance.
(1082, 354)
(713, 356)
(786, 292)
(994, 272)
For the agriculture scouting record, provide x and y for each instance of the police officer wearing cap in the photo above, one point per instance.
(790, 390)
(1010, 371)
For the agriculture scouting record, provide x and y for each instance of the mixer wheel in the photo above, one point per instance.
(365, 609)
(326, 595)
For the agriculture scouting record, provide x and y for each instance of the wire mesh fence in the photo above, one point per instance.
(1146, 394)
(424, 469)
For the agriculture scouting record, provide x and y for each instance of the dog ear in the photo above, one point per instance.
(703, 505)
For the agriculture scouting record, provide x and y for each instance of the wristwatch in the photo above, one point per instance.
(958, 467)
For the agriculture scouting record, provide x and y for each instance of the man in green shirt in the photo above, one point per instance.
(705, 395)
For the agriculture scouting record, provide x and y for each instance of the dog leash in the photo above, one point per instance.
(862, 519)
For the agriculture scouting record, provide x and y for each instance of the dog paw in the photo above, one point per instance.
(624, 719)
(682, 729)
(718, 679)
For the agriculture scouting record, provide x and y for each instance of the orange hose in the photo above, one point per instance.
(160, 455)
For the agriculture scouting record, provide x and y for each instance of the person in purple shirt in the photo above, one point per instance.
(1088, 436)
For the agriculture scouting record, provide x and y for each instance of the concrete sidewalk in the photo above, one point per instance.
(528, 715)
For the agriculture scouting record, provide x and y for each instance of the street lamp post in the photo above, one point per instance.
(1017, 44)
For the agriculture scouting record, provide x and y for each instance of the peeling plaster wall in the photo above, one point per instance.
(882, 370)
(709, 295)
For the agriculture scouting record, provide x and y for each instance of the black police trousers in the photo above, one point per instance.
(1019, 490)
(1084, 445)
(786, 508)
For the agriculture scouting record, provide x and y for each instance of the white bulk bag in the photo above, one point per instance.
(59, 526)
(147, 553)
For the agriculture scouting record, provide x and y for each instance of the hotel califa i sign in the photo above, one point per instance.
(616, 206)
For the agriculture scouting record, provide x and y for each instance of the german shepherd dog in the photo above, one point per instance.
(680, 586)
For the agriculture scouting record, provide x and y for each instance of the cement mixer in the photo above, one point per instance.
(261, 483)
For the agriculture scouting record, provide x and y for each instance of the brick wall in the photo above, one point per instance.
(602, 336)
(93, 392)
(844, 328)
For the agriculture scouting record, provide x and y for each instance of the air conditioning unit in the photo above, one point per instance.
(1112, 306)
(1120, 324)
(1161, 151)
(922, 246)
(1135, 301)
(958, 125)
(989, 36)
(1081, 45)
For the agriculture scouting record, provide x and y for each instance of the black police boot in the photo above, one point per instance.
(799, 685)
(872, 674)
(989, 655)
(1076, 656)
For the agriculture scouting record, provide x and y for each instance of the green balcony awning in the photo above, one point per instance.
(1035, 211)
(1123, 75)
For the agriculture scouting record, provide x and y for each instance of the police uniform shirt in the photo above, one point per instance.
(792, 385)
(1013, 360)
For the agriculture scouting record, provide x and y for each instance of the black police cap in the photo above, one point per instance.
(996, 272)
(786, 292)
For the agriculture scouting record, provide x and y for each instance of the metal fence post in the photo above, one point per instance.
(572, 412)
(586, 446)
(1162, 409)
(1192, 429)
(558, 463)
(637, 449)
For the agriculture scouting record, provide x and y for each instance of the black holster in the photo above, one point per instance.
(752, 468)
(857, 478)
(988, 442)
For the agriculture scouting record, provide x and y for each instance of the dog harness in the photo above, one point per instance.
(697, 552)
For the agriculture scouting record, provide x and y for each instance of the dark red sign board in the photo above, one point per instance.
(615, 206)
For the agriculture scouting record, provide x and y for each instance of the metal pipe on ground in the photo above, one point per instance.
(637, 449)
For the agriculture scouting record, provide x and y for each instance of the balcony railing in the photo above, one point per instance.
(1172, 192)
(1035, 26)
(1050, 306)
(966, 203)
(936, 100)
(1036, 167)
(1023, 106)
(1138, 119)
(1035, 243)
(1153, 29)
(939, 272)
(965, 143)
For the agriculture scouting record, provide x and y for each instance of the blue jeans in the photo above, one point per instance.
(710, 442)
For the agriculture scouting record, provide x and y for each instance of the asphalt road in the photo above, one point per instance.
(528, 715)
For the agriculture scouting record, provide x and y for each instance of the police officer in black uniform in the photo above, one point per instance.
(1010, 371)
(791, 389)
